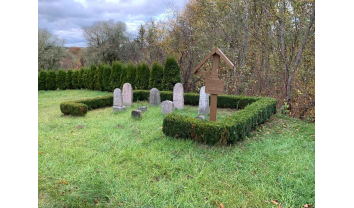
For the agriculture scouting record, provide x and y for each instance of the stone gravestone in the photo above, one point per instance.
(178, 99)
(143, 108)
(127, 94)
(154, 98)
(167, 107)
(137, 114)
(118, 100)
(203, 102)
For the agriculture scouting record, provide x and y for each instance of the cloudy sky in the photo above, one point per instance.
(65, 18)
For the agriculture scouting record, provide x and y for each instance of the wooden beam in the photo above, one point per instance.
(203, 61)
(223, 57)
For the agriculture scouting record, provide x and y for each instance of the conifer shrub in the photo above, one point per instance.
(42, 80)
(115, 75)
(91, 77)
(98, 78)
(74, 80)
(123, 76)
(156, 76)
(142, 77)
(51, 80)
(107, 70)
(171, 74)
(131, 74)
(61, 77)
(80, 79)
(68, 79)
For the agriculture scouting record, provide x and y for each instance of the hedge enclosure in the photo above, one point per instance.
(255, 110)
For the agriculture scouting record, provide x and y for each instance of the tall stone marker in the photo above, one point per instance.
(127, 94)
(154, 98)
(167, 107)
(213, 85)
(178, 99)
(203, 102)
(118, 100)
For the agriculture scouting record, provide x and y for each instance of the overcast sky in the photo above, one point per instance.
(65, 18)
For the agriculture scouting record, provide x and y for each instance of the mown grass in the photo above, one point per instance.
(122, 162)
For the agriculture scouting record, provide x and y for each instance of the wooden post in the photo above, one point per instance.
(214, 97)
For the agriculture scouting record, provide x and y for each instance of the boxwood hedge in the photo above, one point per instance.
(255, 110)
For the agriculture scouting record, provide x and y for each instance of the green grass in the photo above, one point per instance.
(130, 163)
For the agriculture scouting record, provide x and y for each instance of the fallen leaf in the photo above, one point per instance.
(239, 192)
(41, 153)
(221, 205)
(274, 202)
(307, 206)
(98, 170)
(80, 127)
(217, 191)
(96, 201)
(265, 201)
(60, 182)
(280, 206)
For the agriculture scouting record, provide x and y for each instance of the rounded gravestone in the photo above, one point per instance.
(203, 102)
(178, 99)
(127, 94)
(118, 100)
(154, 98)
(167, 107)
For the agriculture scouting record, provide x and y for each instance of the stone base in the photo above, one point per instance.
(200, 117)
(116, 108)
(143, 108)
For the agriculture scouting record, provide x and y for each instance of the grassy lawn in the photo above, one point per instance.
(111, 160)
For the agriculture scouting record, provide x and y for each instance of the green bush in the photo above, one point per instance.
(123, 76)
(171, 74)
(156, 76)
(80, 107)
(74, 80)
(115, 75)
(107, 70)
(42, 80)
(131, 74)
(69, 79)
(98, 78)
(51, 80)
(61, 77)
(142, 77)
(80, 79)
(91, 77)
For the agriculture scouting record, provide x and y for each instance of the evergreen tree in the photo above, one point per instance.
(68, 79)
(123, 76)
(107, 70)
(98, 78)
(156, 76)
(142, 77)
(42, 80)
(79, 78)
(171, 74)
(115, 75)
(61, 80)
(131, 73)
(91, 77)
(74, 80)
(51, 80)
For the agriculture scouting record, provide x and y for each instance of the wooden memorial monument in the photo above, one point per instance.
(213, 85)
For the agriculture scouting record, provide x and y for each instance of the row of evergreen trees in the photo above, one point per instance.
(107, 78)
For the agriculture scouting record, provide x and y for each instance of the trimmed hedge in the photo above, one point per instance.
(74, 80)
(98, 78)
(156, 76)
(51, 80)
(131, 74)
(80, 107)
(91, 77)
(142, 77)
(42, 80)
(68, 79)
(106, 77)
(61, 80)
(115, 75)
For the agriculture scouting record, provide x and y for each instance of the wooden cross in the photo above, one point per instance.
(213, 85)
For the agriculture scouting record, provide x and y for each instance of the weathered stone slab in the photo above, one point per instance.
(137, 114)
(117, 108)
(154, 98)
(203, 102)
(127, 94)
(117, 98)
(178, 98)
(167, 107)
(143, 108)
(200, 117)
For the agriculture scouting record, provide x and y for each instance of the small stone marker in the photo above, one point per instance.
(178, 99)
(203, 102)
(154, 98)
(167, 106)
(200, 117)
(127, 94)
(118, 100)
(143, 108)
(137, 114)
